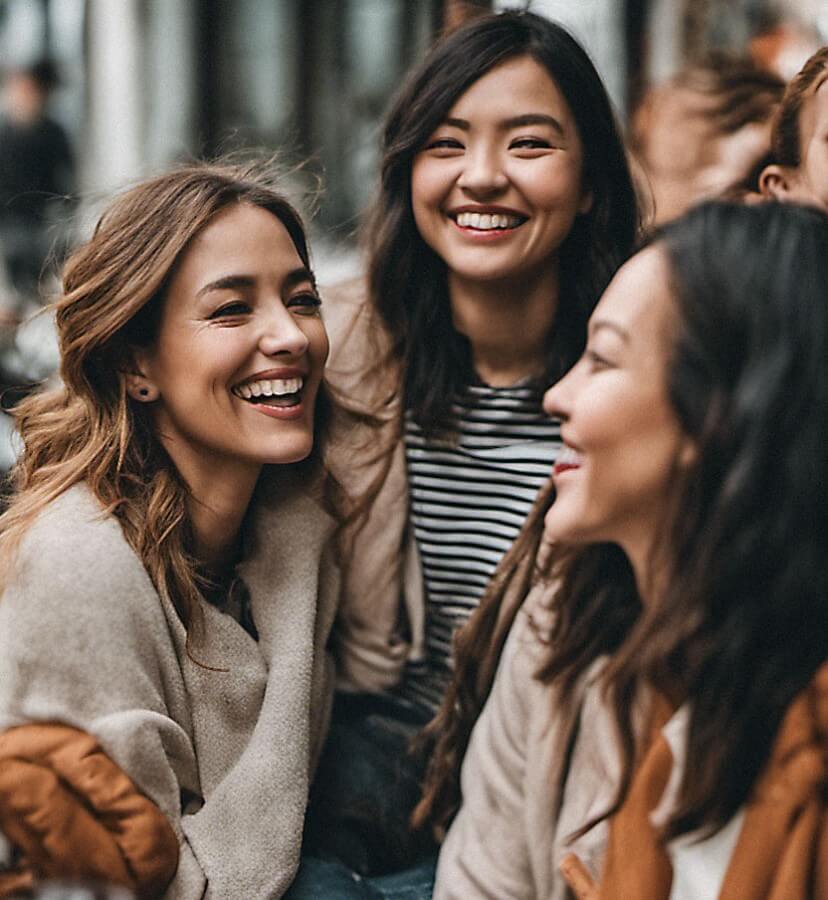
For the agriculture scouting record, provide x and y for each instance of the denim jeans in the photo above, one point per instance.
(366, 787)
(325, 879)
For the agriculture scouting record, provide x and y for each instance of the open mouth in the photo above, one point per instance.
(278, 392)
(567, 460)
(488, 221)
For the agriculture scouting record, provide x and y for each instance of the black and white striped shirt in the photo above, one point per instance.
(469, 498)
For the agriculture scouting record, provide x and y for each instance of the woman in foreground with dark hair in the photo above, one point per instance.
(505, 205)
(167, 566)
(659, 719)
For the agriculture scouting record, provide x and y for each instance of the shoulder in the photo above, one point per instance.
(75, 567)
(74, 535)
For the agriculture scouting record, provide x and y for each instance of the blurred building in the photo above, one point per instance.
(149, 82)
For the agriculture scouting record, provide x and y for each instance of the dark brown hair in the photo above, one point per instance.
(741, 629)
(407, 280)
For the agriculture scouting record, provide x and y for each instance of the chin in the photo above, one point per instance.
(291, 452)
(558, 527)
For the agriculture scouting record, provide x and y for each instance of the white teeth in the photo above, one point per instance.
(274, 387)
(487, 221)
(568, 456)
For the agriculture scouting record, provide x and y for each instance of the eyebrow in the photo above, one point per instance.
(236, 282)
(598, 324)
(514, 122)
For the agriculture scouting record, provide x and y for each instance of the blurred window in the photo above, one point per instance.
(312, 79)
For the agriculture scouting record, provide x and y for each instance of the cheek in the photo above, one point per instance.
(428, 187)
(558, 186)
(319, 345)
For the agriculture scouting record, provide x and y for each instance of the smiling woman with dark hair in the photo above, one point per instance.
(505, 205)
(659, 719)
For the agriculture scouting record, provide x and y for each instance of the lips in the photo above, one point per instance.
(568, 460)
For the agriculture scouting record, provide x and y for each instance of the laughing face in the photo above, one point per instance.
(498, 185)
(623, 442)
(233, 376)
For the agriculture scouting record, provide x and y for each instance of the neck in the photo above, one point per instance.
(651, 571)
(216, 520)
(507, 323)
(220, 492)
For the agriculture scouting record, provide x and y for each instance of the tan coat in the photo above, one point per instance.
(522, 794)
(381, 623)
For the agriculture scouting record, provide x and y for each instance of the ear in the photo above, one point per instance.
(586, 202)
(777, 182)
(138, 385)
(141, 388)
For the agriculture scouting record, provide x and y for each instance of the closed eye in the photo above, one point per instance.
(596, 360)
(230, 310)
(444, 143)
(530, 143)
(306, 303)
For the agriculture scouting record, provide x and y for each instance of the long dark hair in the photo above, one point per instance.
(742, 627)
(407, 280)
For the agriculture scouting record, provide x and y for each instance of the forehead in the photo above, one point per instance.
(639, 300)
(239, 235)
(515, 86)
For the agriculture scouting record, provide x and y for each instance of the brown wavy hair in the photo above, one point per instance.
(87, 429)
(786, 137)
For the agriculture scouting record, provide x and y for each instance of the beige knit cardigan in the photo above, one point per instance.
(227, 755)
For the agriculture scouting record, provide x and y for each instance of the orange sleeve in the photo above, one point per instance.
(71, 812)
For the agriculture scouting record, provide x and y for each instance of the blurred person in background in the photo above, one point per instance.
(37, 176)
(798, 172)
(705, 133)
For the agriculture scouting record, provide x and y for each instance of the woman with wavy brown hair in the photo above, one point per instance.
(168, 570)
(658, 724)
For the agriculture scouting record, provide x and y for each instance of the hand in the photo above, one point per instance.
(578, 877)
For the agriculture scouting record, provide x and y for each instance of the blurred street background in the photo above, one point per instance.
(99, 93)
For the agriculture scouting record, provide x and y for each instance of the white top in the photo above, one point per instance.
(698, 866)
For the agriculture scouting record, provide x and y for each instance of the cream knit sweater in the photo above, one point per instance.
(227, 755)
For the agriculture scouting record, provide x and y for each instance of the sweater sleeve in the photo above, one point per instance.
(80, 632)
(486, 853)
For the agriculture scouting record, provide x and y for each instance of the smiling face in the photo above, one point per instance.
(233, 376)
(622, 439)
(496, 188)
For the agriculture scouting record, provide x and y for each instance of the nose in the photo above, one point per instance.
(281, 334)
(557, 401)
(483, 172)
